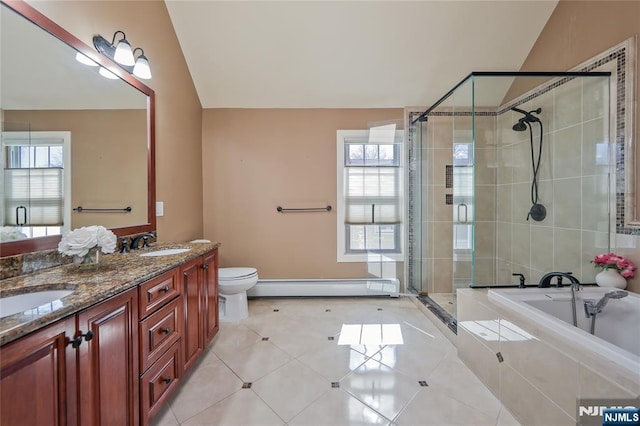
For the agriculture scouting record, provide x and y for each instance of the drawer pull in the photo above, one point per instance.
(165, 330)
(165, 289)
(167, 380)
(75, 343)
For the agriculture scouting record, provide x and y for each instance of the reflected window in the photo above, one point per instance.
(370, 334)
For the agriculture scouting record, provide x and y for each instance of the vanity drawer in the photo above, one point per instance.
(157, 291)
(159, 381)
(158, 332)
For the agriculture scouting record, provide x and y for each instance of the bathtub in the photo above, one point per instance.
(617, 329)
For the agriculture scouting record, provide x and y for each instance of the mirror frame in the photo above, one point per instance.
(46, 243)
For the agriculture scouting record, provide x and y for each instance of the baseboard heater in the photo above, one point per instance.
(326, 287)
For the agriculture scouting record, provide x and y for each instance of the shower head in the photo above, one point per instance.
(616, 294)
(520, 126)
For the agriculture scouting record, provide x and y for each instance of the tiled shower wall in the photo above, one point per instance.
(437, 223)
(573, 185)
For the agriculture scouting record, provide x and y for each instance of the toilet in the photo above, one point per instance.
(233, 284)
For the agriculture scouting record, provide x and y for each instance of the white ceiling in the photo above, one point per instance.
(348, 54)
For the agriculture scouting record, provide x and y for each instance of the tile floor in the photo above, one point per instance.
(292, 363)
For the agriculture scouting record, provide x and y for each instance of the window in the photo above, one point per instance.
(34, 181)
(462, 197)
(370, 195)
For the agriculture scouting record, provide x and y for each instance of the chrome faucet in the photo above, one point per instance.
(593, 308)
(545, 282)
(135, 241)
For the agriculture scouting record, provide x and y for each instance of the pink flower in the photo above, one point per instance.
(627, 273)
(613, 261)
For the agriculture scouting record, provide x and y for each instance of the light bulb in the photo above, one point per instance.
(108, 74)
(142, 69)
(84, 59)
(124, 54)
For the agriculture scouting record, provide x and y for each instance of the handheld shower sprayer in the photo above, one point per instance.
(537, 212)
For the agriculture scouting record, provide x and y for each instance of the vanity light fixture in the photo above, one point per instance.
(123, 55)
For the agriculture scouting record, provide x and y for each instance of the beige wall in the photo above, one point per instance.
(257, 159)
(178, 109)
(108, 157)
(575, 32)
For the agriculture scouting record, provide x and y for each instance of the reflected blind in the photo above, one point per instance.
(39, 190)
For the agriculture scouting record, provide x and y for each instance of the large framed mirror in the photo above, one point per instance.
(77, 147)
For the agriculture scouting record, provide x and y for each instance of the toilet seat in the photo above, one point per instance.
(231, 277)
(232, 274)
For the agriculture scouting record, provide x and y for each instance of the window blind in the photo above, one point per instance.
(39, 190)
(372, 195)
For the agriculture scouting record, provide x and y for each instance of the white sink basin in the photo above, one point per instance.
(166, 252)
(42, 301)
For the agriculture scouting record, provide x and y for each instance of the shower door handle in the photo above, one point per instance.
(463, 206)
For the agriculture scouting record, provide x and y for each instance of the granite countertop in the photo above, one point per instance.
(116, 273)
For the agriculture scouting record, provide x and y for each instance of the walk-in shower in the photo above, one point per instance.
(509, 173)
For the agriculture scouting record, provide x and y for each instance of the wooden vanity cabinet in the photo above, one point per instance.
(47, 380)
(199, 284)
(160, 334)
(129, 354)
(38, 379)
(210, 283)
(108, 363)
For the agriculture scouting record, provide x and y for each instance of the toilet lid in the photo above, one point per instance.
(235, 273)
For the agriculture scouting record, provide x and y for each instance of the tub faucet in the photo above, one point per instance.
(521, 280)
(545, 282)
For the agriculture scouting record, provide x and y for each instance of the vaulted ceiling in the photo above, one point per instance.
(348, 54)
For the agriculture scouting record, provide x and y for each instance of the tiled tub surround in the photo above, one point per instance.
(573, 184)
(117, 272)
(542, 372)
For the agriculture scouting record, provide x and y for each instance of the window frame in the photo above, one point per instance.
(42, 138)
(344, 252)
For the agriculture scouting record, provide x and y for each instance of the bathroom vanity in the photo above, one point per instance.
(113, 350)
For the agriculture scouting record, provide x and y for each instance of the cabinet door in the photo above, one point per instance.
(37, 385)
(192, 338)
(210, 281)
(108, 362)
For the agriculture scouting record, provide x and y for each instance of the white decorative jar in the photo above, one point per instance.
(611, 278)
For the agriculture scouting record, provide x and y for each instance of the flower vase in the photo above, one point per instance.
(611, 278)
(90, 260)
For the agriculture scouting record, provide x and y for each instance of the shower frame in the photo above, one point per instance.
(418, 123)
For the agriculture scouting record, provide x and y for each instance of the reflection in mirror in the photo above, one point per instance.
(70, 137)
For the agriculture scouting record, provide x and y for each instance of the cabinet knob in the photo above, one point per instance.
(75, 343)
(167, 380)
(165, 289)
(205, 266)
(166, 330)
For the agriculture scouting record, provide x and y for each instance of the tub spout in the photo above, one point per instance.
(545, 281)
